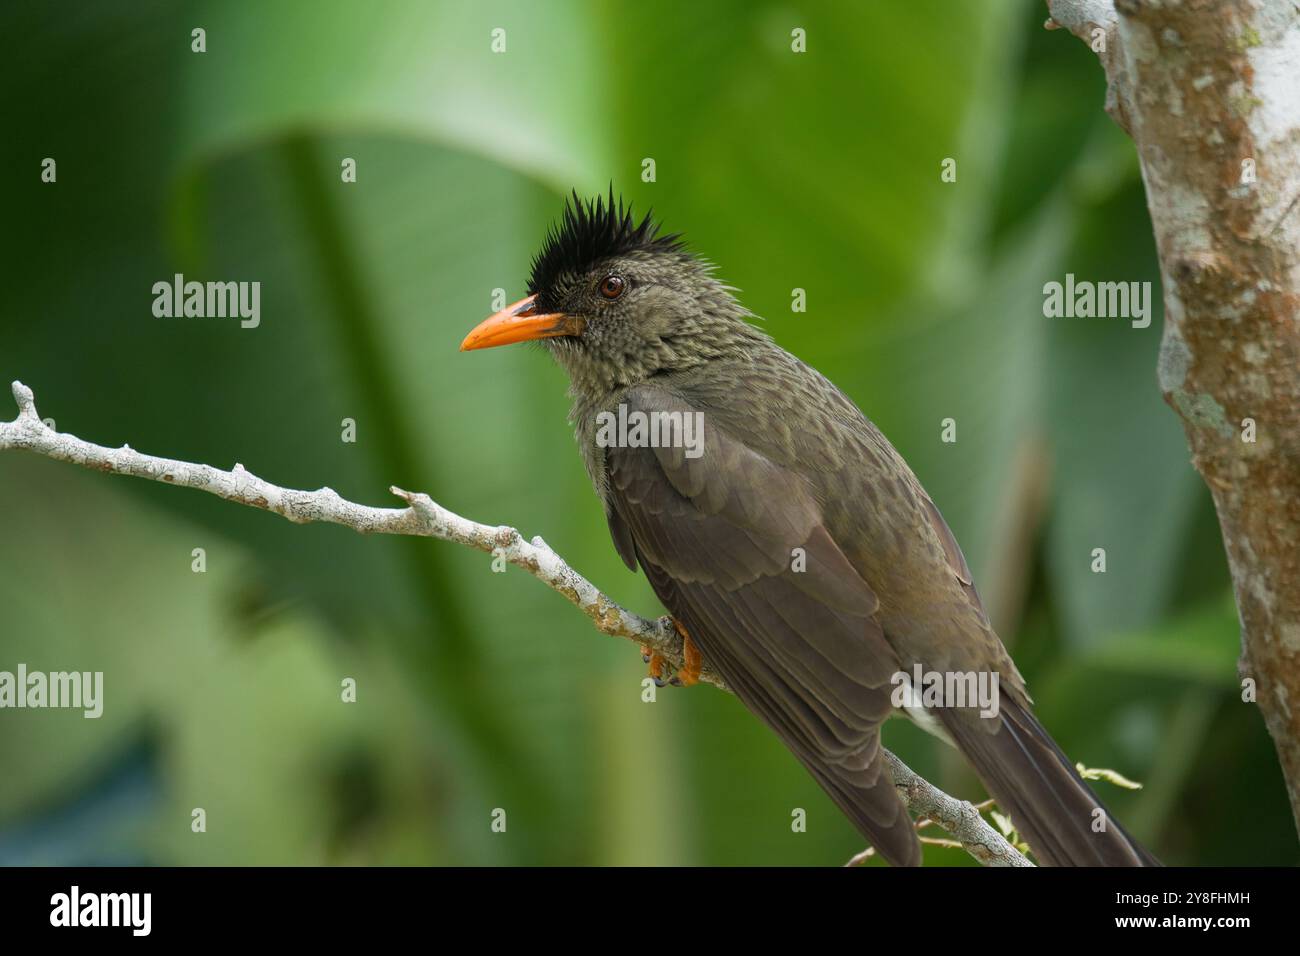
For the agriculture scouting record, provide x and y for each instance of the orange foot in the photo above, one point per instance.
(656, 663)
(692, 660)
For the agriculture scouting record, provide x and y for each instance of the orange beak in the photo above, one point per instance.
(520, 322)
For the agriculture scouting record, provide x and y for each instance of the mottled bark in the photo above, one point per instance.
(1209, 90)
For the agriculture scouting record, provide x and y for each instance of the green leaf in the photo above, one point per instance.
(1201, 645)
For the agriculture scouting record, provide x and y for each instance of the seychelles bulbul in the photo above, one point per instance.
(794, 548)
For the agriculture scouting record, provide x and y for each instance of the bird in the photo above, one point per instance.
(795, 550)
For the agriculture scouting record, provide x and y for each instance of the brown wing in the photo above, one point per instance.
(735, 547)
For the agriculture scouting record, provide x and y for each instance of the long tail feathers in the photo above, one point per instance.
(1037, 785)
(868, 798)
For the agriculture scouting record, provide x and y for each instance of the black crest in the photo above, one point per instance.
(590, 231)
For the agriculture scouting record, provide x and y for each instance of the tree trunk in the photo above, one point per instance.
(1209, 90)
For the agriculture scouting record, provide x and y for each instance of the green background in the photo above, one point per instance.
(477, 690)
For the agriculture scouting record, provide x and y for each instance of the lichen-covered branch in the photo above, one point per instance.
(1209, 90)
(957, 817)
(425, 517)
(422, 516)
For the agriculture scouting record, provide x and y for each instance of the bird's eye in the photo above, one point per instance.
(611, 287)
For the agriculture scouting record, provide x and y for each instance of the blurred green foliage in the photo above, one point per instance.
(478, 690)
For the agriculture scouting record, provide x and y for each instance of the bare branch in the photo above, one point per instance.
(957, 817)
(1210, 92)
(426, 518)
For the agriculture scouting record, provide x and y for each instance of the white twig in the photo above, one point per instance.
(425, 517)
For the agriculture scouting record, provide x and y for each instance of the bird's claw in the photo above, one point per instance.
(692, 662)
(656, 662)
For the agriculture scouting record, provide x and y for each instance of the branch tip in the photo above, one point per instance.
(26, 400)
(418, 500)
